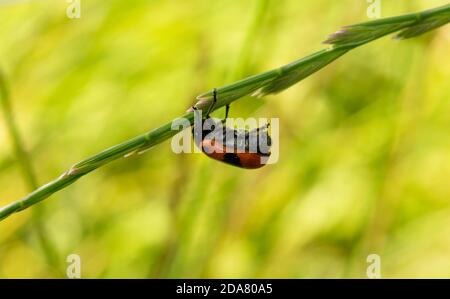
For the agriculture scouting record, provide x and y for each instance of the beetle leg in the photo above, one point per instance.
(213, 103)
(227, 109)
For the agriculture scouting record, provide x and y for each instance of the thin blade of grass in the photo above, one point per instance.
(411, 25)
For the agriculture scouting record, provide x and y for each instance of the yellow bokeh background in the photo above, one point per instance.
(364, 162)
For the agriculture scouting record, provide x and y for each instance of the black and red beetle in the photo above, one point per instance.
(237, 147)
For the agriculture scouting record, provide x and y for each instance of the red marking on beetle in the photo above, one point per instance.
(230, 155)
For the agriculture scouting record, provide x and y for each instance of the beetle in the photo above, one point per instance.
(241, 148)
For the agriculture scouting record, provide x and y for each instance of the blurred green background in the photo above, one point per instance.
(364, 149)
